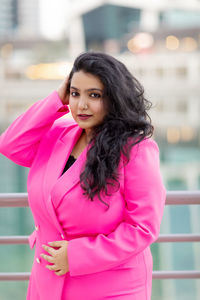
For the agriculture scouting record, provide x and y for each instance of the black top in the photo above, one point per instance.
(70, 162)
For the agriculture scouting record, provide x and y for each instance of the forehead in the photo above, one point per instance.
(86, 80)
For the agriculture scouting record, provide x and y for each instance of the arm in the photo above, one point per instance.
(144, 195)
(20, 141)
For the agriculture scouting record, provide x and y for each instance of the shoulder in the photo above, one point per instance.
(146, 145)
(143, 166)
(61, 125)
(143, 153)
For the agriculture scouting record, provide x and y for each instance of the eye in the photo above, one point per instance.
(74, 94)
(95, 95)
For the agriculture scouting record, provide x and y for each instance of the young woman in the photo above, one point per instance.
(94, 185)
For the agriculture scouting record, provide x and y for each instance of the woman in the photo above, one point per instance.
(94, 185)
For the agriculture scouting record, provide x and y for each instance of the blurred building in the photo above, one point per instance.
(106, 26)
(8, 18)
(109, 24)
(19, 19)
(28, 18)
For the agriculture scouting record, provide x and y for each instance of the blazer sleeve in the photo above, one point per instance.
(20, 141)
(144, 195)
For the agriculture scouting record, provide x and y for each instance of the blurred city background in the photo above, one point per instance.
(159, 41)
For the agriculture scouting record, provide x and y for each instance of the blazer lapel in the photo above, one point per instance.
(59, 156)
(53, 181)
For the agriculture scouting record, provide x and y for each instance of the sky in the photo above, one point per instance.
(53, 17)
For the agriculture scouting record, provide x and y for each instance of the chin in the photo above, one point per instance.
(83, 126)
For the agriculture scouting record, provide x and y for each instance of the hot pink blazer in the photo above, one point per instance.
(99, 239)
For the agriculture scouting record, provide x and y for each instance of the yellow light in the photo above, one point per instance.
(49, 71)
(187, 133)
(172, 43)
(173, 135)
(6, 50)
(140, 41)
(132, 46)
(188, 44)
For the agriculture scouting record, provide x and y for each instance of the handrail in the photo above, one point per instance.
(172, 198)
(155, 275)
(163, 238)
(176, 274)
(14, 200)
(15, 276)
(183, 198)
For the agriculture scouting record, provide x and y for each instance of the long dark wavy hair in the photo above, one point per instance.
(126, 118)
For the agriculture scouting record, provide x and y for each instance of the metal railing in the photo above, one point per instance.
(173, 198)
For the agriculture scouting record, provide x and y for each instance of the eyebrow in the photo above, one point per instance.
(92, 89)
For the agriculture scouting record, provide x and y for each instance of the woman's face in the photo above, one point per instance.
(86, 92)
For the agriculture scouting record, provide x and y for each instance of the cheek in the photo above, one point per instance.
(98, 108)
(72, 105)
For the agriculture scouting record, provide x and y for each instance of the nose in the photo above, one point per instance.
(82, 103)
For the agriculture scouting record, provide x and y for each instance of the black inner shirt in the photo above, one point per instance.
(70, 162)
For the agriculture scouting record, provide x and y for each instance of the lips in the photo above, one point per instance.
(84, 117)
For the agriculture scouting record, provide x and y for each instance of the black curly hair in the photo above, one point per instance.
(126, 118)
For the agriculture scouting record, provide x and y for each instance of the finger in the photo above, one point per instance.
(47, 258)
(64, 84)
(67, 98)
(59, 273)
(56, 244)
(52, 268)
(48, 249)
(66, 79)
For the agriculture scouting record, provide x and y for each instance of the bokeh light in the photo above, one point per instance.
(140, 41)
(172, 42)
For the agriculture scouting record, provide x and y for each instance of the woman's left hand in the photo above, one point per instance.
(58, 257)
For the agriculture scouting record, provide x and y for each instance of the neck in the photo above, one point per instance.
(87, 135)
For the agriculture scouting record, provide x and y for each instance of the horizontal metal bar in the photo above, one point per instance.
(20, 239)
(17, 239)
(178, 238)
(156, 275)
(15, 276)
(172, 198)
(13, 200)
(183, 198)
(176, 274)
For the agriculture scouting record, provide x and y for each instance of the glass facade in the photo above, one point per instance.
(180, 19)
(8, 17)
(109, 22)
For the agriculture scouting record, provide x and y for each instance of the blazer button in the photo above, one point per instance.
(62, 236)
(36, 227)
(38, 260)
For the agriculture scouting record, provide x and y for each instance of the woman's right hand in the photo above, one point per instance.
(62, 91)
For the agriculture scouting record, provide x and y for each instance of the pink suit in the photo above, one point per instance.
(108, 251)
